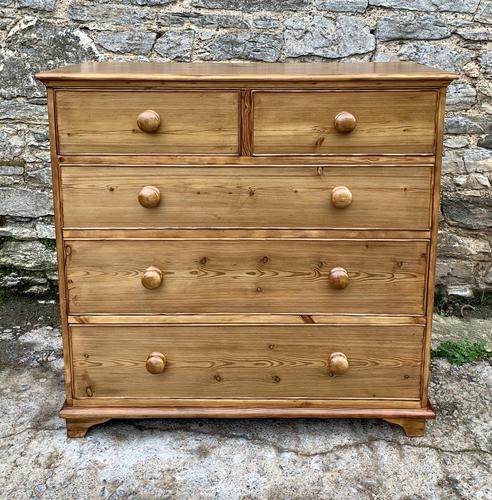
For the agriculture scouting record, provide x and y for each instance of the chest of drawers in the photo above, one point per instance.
(246, 240)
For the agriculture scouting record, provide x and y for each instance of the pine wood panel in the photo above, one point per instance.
(270, 276)
(57, 205)
(386, 197)
(246, 233)
(106, 122)
(303, 122)
(231, 404)
(357, 71)
(222, 408)
(431, 275)
(242, 362)
(257, 319)
(215, 161)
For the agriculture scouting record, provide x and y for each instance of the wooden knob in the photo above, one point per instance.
(345, 122)
(148, 121)
(341, 197)
(149, 197)
(338, 363)
(339, 278)
(156, 362)
(152, 278)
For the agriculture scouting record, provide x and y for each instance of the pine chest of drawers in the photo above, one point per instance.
(246, 240)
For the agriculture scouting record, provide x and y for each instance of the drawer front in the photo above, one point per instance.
(382, 197)
(188, 122)
(247, 361)
(306, 122)
(284, 276)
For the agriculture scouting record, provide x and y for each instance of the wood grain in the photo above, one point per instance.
(247, 362)
(230, 404)
(218, 161)
(413, 427)
(243, 410)
(246, 276)
(60, 253)
(303, 122)
(355, 72)
(246, 233)
(257, 319)
(245, 317)
(106, 122)
(246, 112)
(383, 198)
(431, 266)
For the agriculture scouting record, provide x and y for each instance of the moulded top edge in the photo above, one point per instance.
(233, 72)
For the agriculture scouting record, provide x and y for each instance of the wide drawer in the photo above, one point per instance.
(304, 197)
(248, 275)
(246, 361)
(185, 122)
(311, 122)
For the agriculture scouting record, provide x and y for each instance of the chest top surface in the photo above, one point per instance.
(233, 72)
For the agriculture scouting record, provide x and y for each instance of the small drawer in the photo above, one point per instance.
(344, 122)
(230, 361)
(246, 276)
(307, 197)
(150, 122)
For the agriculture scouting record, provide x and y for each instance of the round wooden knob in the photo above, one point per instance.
(341, 197)
(148, 121)
(339, 278)
(345, 122)
(152, 278)
(149, 197)
(338, 363)
(156, 362)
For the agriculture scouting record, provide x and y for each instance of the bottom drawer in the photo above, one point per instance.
(232, 361)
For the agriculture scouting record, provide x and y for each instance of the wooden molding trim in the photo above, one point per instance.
(238, 412)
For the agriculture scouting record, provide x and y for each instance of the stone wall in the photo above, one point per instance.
(41, 34)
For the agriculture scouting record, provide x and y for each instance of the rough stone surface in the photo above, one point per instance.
(484, 13)
(412, 27)
(33, 45)
(137, 42)
(473, 31)
(465, 125)
(96, 14)
(253, 46)
(454, 35)
(454, 142)
(25, 202)
(152, 2)
(345, 6)
(465, 6)
(486, 63)
(201, 20)
(461, 247)
(478, 160)
(48, 5)
(439, 56)
(234, 459)
(29, 255)
(175, 45)
(252, 5)
(320, 36)
(471, 212)
(485, 142)
(460, 96)
(266, 22)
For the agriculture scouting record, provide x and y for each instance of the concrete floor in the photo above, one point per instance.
(270, 459)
